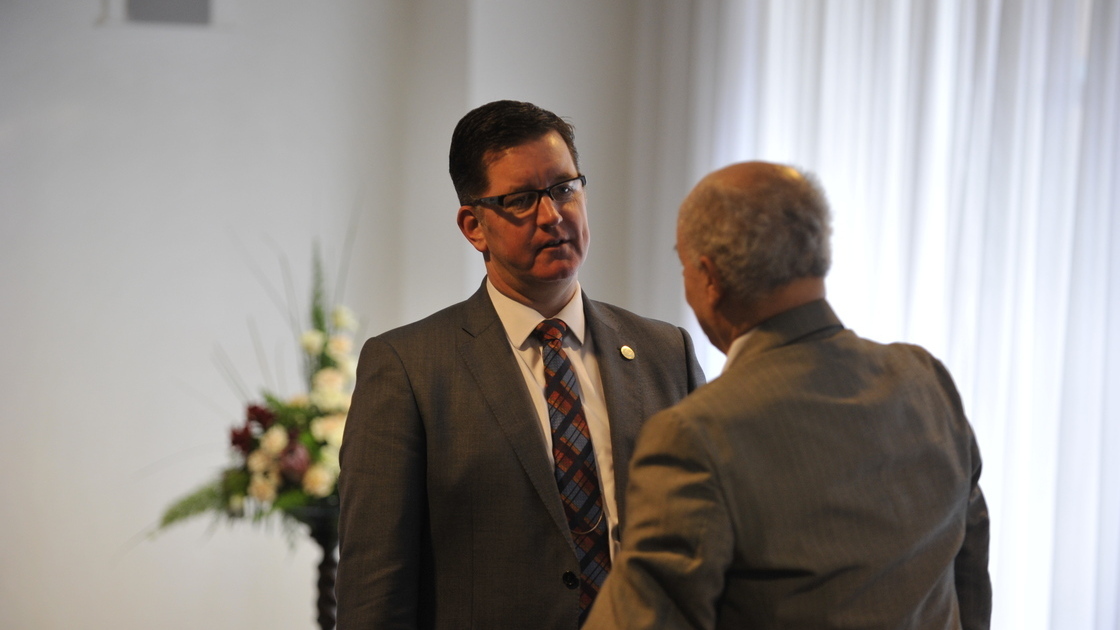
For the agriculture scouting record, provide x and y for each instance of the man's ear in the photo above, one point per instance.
(471, 227)
(713, 284)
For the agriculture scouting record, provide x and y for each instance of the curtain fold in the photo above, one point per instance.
(970, 152)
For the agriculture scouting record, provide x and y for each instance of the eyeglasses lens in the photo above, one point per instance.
(520, 203)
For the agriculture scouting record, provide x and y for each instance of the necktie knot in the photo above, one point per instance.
(551, 331)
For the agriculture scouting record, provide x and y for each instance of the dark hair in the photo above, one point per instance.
(494, 127)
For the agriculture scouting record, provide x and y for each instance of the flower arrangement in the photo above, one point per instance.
(285, 451)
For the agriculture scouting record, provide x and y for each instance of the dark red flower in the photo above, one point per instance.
(263, 416)
(242, 439)
(294, 462)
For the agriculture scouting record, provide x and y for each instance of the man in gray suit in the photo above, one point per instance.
(823, 480)
(485, 442)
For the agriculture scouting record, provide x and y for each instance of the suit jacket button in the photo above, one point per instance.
(570, 580)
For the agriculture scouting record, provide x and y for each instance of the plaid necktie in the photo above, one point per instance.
(576, 474)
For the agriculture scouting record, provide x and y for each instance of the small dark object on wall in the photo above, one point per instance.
(169, 11)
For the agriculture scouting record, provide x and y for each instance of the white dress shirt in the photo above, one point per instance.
(735, 349)
(519, 322)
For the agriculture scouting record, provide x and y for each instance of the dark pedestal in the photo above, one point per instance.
(323, 523)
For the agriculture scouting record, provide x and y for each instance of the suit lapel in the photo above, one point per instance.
(622, 388)
(485, 350)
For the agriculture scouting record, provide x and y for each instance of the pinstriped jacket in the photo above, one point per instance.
(451, 517)
(823, 481)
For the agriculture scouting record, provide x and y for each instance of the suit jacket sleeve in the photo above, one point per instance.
(970, 568)
(974, 587)
(679, 542)
(380, 532)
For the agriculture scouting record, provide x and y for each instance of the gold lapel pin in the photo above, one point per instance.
(627, 352)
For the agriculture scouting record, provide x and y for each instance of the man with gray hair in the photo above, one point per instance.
(823, 480)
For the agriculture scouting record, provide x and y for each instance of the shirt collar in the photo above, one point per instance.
(520, 320)
(736, 348)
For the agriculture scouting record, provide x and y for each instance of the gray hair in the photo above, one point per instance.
(760, 237)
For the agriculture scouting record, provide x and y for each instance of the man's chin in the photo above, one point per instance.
(558, 271)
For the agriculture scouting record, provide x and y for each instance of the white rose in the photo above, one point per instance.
(328, 380)
(262, 487)
(312, 341)
(236, 505)
(328, 456)
(331, 401)
(318, 481)
(343, 318)
(348, 366)
(339, 347)
(275, 440)
(329, 428)
(259, 461)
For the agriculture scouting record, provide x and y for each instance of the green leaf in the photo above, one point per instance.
(235, 481)
(208, 498)
(290, 499)
(318, 312)
(311, 444)
(288, 415)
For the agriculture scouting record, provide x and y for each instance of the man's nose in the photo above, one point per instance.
(548, 211)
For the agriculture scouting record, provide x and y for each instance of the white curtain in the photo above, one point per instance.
(971, 152)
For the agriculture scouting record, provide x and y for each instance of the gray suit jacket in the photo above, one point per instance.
(451, 517)
(823, 481)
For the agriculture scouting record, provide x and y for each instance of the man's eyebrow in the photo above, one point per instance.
(526, 187)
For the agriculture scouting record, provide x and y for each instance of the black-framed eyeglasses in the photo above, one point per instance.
(523, 202)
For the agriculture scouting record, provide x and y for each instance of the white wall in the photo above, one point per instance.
(574, 58)
(151, 177)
